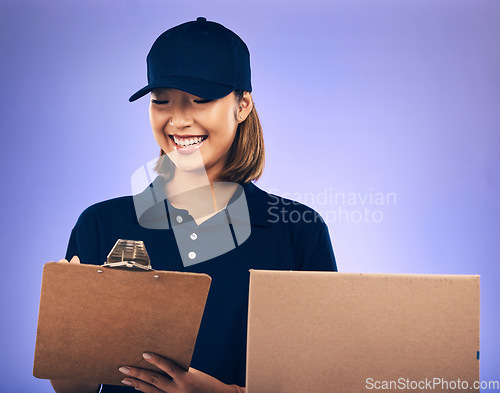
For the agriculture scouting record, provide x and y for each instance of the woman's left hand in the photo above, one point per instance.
(192, 381)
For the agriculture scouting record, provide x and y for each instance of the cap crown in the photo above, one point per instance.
(201, 57)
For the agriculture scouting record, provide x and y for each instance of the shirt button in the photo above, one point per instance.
(193, 236)
(179, 219)
(192, 255)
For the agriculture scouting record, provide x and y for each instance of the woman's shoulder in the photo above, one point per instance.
(282, 210)
(115, 208)
(305, 229)
(110, 205)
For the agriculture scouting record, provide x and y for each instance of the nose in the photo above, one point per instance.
(181, 119)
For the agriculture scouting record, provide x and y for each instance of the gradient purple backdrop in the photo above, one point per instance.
(394, 97)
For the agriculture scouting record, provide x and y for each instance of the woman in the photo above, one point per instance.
(204, 120)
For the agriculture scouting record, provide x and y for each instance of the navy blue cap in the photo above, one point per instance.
(201, 58)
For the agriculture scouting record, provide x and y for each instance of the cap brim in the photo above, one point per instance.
(198, 87)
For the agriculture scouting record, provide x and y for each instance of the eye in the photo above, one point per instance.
(202, 101)
(159, 102)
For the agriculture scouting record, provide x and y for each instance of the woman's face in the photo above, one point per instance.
(194, 132)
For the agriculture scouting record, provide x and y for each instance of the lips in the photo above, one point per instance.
(187, 144)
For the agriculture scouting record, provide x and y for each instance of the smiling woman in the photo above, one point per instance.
(211, 149)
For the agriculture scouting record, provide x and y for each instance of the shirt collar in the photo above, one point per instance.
(150, 204)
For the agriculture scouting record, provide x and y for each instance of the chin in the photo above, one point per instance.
(191, 169)
(187, 162)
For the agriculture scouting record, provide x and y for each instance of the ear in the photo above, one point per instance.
(245, 106)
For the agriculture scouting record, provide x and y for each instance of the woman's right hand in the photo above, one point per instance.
(64, 386)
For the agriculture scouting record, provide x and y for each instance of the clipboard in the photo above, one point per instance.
(94, 319)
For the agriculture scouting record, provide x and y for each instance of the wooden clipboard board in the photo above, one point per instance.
(94, 319)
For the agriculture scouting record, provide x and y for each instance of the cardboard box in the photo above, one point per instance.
(322, 332)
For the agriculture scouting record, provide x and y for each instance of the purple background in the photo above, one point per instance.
(398, 97)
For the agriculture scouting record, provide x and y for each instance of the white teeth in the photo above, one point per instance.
(187, 141)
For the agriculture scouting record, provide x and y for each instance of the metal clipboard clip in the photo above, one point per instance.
(128, 253)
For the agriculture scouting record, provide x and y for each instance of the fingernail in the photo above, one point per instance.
(126, 382)
(124, 370)
(147, 356)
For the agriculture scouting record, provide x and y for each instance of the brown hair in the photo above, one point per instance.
(245, 161)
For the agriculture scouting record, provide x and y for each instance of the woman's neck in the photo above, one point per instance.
(198, 193)
(184, 182)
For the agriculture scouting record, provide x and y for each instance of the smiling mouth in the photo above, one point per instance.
(188, 141)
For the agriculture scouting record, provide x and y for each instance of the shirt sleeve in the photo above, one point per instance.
(84, 239)
(84, 242)
(317, 254)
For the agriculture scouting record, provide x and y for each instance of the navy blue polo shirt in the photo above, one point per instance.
(284, 235)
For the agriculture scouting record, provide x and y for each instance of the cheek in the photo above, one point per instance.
(157, 132)
(232, 126)
(224, 125)
(157, 126)
(223, 134)
(154, 119)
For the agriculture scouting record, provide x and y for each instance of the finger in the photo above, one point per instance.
(141, 385)
(75, 259)
(141, 377)
(170, 367)
(64, 260)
